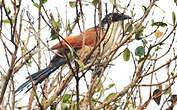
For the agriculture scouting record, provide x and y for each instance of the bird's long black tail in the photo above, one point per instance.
(39, 76)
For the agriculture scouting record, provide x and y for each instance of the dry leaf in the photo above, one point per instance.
(158, 34)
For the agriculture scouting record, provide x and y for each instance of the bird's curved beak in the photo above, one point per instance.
(114, 17)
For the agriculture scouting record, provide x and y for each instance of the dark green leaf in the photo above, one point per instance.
(44, 1)
(28, 62)
(174, 18)
(173, 73)
(167, 89)
(162, 24)
(67, 98)
(158, 48)
(157, 96)
(72, 4)
(8, 10)
(56, 26)
(140, 51)
(128, 27)
(126, 54)
(95, 2)
(54, 36)
(139, 34)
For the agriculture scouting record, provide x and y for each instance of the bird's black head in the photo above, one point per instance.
(114, 17)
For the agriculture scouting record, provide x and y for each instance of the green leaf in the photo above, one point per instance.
(71, 51)
(110, 86)
(162, 24)
(56, 26)
(110, 96)
(100, 87)
(173, 73)
(64, 106)
(174, 18)
(81, 64)
(8, 10)
(55, 23)
(128, 27)
(158, 48)
(126, 54)
(7, 21)
(29, 61)
(44, 1)
(68, 28)
(140, 51)
(36, 5)
(53, 36)
(167, 89)
(95, 2)
(72, 4)
(67, 98)
(152, 21)
(157, 96)
(139, 34)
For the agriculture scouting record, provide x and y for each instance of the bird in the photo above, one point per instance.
(76, 42)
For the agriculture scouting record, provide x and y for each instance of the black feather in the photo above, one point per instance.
(41, 75)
